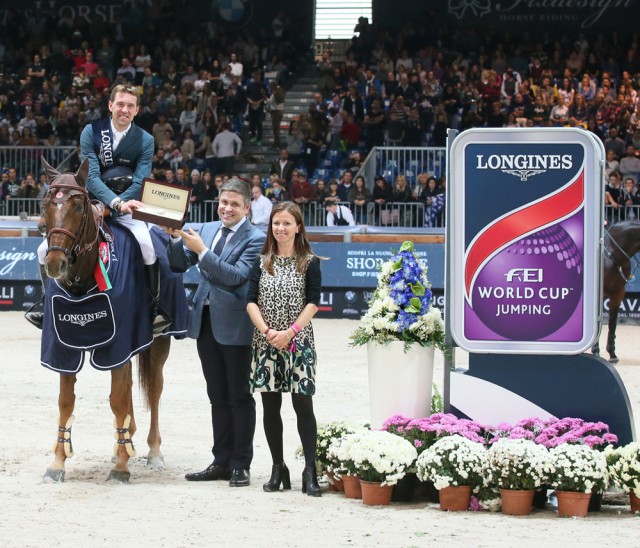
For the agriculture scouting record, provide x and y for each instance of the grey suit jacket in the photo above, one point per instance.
(224, 280)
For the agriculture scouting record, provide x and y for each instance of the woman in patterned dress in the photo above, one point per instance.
(284, 291)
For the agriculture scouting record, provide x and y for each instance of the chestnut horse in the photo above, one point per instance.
(621, 243)
(73, 234)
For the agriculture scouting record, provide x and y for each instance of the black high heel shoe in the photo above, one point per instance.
(310, 482)
(279, 474)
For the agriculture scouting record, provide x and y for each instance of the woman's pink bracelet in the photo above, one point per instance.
(295, 327)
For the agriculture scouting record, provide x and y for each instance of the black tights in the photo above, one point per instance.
(307, 428)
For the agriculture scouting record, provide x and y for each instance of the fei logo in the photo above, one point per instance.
(530, 275)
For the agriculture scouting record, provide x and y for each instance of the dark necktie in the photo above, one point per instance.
(223, 240)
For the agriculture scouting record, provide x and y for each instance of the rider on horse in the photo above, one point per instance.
(120, 155)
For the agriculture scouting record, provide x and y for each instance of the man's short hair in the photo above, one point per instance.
(238, 186)
(125, 88)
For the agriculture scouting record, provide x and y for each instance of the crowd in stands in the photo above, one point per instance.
(204, 94)
(408, 88)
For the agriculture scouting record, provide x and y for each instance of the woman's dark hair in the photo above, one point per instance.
(301, 244)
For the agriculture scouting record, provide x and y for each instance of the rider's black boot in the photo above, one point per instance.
(160, 321)
(35, 314)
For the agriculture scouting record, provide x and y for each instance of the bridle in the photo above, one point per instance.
(76, 249)
(633, 262)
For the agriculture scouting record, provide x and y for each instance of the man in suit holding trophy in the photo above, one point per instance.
(225, 252)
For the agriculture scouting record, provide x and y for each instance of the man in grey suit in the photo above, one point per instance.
(225, 252)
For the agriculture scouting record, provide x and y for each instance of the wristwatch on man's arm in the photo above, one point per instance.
(117, 204)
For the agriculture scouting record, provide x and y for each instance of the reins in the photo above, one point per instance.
(633, 262)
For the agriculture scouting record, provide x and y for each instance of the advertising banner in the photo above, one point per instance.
(527, 224)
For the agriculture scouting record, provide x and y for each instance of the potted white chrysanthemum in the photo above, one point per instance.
(381, 459)
(343, 465)
(624, 471)
(401, 328)
(517, 467)
(578, 471)
(455, 465)
(326, 465)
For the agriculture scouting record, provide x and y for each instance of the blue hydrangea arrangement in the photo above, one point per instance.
(401, 306)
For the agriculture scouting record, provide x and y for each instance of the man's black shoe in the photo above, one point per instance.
(239, 477)
(211, 473)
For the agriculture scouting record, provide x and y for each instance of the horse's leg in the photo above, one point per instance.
(614, 307)
(125, 426)
(154, 384)
(63, 448)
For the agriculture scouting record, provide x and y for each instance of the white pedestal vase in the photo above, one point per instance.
(399, 383)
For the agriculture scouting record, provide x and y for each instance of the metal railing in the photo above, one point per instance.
(393, 215)
(21, 207)
(27, 159)
(408, 161)
(622, 213)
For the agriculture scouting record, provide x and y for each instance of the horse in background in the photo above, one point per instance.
(75, 233)
(621, 243)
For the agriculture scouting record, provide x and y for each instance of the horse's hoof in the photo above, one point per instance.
(53, 475)
(118, 476)
(614, 359)
(157, 463)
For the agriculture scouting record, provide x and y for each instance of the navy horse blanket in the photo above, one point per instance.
(114, 325)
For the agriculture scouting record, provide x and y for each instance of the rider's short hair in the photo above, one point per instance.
(236, 185)
(125, 88)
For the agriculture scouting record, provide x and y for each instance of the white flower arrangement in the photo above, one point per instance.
(380, 456)
(453, 461)
(578, 468)
(519, 464)
(339, 454)
(624, 467)
(401, 306)
(327, 434)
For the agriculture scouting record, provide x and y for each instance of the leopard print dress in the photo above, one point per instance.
(281, 298)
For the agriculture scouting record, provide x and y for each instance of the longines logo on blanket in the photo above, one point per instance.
(524, 165)
(82, 319)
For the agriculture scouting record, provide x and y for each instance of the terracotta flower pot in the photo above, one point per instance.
(517, 502)
(335, 485)
(455, 499)
(635, 502)
(375, 494)
(352, 487)
(573, 504)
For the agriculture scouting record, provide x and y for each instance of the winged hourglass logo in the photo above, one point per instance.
(477, 7)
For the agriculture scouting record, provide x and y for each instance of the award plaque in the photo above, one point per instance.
(165, 204)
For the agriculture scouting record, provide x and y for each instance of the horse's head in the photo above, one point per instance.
(66, 210)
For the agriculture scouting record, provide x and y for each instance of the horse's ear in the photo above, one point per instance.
(83, 172)
(50, 172)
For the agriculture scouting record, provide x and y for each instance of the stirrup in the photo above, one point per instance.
(159, 323)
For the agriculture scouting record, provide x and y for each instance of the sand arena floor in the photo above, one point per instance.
(160, 508)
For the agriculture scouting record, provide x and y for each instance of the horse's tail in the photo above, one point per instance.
(150, 364)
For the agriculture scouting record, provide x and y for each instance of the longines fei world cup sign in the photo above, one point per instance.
(525, 251)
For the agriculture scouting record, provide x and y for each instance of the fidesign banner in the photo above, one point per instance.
(525, 253)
